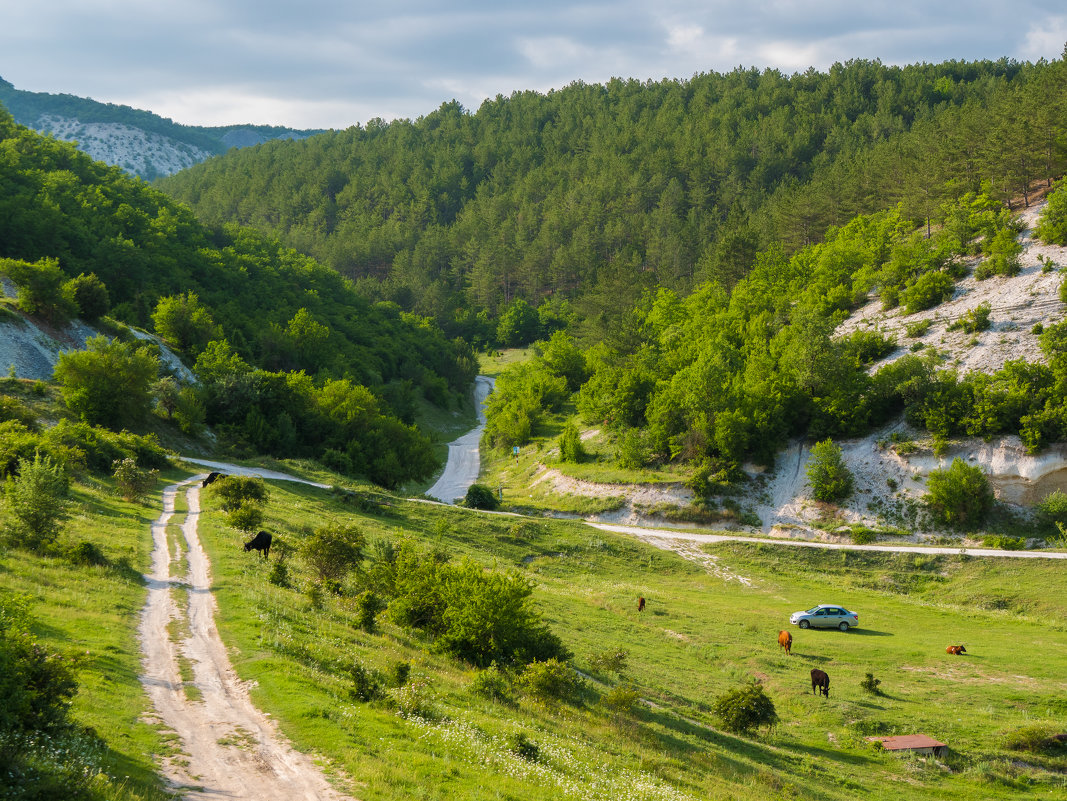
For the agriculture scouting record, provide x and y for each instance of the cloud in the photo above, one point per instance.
(332, 63)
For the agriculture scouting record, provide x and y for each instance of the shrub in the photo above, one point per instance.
(279, 573)
(570, 444)
(744, 708)
(551, 680)
(621, 699)
(959, 496)
(37, 501)
(368, 604)
(631, 452)
(1004, 543)
(1053, 509)
(830, 478)
(108, 383)
(1037, 739)
(90, 296)
(133, 482)
(1052, 225)
(862, 536)
(414, 699)
(247, 518)
(233, 491)
(400, 672)
(490, 683)
(366, 684)
(1004, 250)
(975, 320)
(333, 550)
(612, 661)
(522, 746)
(870, 684)
(928, 290)
(917, 328)
(86, 553)
(480, 496)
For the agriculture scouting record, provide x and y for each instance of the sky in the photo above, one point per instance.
(336, 63)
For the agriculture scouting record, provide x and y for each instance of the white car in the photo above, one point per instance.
(825, 616)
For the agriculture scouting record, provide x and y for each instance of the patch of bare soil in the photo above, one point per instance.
(228, 748)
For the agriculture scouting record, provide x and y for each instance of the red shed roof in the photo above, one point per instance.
(907, 741)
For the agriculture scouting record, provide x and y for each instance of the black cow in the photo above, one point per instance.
(641, 604)
(820, 680)
(211, 478)
(260, 542)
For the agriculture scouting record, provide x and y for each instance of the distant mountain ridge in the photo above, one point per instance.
(140, 142)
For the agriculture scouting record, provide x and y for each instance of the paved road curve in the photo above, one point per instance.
(464, 460)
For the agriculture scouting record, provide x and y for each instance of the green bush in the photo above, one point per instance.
(133, 482)
(551, 680)
(745, 708)
(367, 605)
(480, 496)
(86, 553)
(36, 501)
(233, 491)
(870, 684)
(863, 536)
(522, 746)
(621, 699)
(1053, 510)
(611, 661)
(246, 518)
(917, 328)
(366, 684)
(975, 320)
(490, 683)
(830, 478)
(959, 496)
(631, 451)
(570, 444)
(1004, 543)
(333, 551)
(928, 290)
(1052, 225)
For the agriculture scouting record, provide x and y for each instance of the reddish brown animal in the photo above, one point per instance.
(641, 604)
(956, 649)
(820, 681)
(785, 640)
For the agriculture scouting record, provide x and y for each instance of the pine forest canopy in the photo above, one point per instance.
(594, 194)
(295, 361)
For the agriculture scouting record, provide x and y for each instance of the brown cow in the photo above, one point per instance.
(785, 640)
(820, 680)
(641, 604)
(956, 649)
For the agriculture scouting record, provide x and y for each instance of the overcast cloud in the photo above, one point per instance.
(332, 63)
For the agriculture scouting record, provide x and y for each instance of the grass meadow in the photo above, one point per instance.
(702, 633)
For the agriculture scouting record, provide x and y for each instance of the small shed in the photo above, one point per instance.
(918, 743)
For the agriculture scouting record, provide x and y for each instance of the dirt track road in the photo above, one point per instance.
(662, 538)
(228, 749)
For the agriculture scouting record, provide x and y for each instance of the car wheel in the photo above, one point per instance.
(843, 626)
(803, 624)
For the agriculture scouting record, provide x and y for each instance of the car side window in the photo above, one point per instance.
(820, 612)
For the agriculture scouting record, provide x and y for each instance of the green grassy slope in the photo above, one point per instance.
(703, 632)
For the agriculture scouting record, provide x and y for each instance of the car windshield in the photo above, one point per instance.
(811, 611)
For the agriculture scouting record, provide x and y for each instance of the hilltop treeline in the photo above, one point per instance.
(295, 360)
(579, 200)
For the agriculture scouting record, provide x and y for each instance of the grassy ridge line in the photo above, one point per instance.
(699, 637)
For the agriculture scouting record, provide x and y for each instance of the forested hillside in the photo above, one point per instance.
(594, 194)
(292, 359)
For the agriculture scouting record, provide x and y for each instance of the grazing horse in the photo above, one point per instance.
(641, 604)
(211, 478)
(956, 649)
(821, 681)
(785, 640)
(261, 543)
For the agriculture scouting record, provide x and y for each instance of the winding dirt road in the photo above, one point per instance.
(228, 748)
